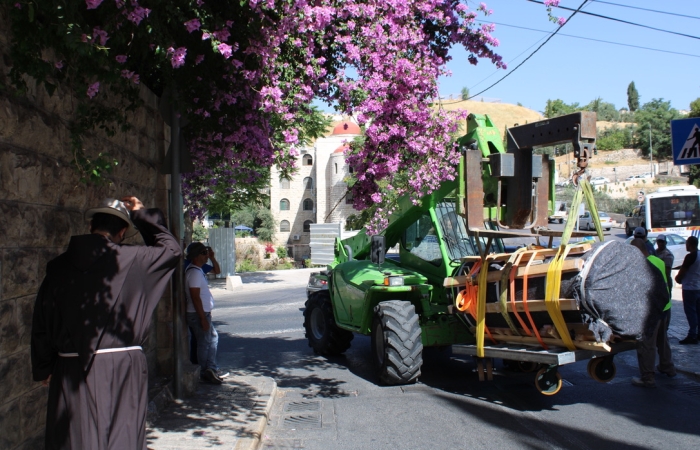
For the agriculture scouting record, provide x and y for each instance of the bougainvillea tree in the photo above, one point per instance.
(243, 74)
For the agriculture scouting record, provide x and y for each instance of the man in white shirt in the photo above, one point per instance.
(200, 303)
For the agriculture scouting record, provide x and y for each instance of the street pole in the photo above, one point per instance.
(176, 228)
(651, 153)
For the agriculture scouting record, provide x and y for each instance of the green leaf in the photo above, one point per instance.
(30, 12)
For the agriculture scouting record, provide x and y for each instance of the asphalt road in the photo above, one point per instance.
(337, 403)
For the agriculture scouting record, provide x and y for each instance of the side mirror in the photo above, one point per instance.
(378, 249)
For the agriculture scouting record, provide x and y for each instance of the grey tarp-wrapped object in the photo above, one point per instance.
(620, 292)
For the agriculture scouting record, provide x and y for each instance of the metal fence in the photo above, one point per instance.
(223, 242)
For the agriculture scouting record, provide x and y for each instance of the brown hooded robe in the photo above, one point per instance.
(100, 295)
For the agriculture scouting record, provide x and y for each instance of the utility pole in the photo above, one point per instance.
(651, 152)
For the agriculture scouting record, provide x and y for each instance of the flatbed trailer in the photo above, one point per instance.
(529, 358)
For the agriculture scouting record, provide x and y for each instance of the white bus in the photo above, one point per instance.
(673, 209)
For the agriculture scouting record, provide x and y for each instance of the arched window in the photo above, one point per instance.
(308, 183)
(284, 225)
(308, 204)
(284, 183)
(336, 167)
(284, 205)
(307, 160)
(307, 226)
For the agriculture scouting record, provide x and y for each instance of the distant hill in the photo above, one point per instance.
(502, 114)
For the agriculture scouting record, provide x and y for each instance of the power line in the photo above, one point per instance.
(647, 9)
(532, 54)
(597, 40)
(622, 21)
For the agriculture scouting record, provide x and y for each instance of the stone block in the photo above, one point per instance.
(20, 175)
(15, 371)
(10, 429)
(11, 223)
(232, 281)
(164, 358)
(9, 327)
(32, 407)
(19, 272)
(61, 185)
(56, 227)
(164, 334)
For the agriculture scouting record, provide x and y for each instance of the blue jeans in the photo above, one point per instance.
(207, 341)
(691, 306)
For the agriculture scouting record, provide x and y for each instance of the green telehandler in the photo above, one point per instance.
(402, 303)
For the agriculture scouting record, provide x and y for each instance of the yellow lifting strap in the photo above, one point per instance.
(481, 306)
(584, 192)
(551, 298)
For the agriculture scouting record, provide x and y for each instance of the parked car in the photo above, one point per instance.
(585, 221)
(559, 214)
(596, 181)
(675, 243)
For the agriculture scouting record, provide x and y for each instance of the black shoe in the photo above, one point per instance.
(668, 374)
(210, 376)
(688, 340)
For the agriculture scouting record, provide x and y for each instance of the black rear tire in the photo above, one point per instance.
(628, 230)
(321, 330)
(396, 342)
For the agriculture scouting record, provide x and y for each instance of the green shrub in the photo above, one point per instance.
(282, 251)
(246, 265)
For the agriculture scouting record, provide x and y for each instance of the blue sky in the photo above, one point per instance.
(578, 70)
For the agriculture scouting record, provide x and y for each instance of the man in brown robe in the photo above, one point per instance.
(92, 314)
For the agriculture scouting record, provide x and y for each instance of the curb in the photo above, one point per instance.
(257, 428)
(688, 373)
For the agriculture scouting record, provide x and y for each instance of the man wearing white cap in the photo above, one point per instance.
(91, 316)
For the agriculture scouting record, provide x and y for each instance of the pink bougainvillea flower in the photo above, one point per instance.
(100, 36)
(93, 89)
(193, 25)
(225, 50)
(198, 59)
(177, 56)
(93, 4)
(58, 65)
(121, 59)
(138, 14)
(561, 21)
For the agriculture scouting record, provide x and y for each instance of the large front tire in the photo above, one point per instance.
(396, 342)
(323, 334)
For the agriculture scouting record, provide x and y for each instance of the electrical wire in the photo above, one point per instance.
(647, 9)
(595, 40)
(533, 53)
(621, 21)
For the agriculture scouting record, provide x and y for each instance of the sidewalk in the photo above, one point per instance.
(685, 357)
(231, 416)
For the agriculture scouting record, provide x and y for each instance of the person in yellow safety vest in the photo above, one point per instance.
(646, 354)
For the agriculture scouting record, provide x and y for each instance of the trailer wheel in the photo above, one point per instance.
(602, 370)
(548, 381)
(396, 342)
(561, 220)
(323, 334)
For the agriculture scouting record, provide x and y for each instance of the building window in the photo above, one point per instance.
(308, 205)
(284, 205)
(307, 160)
(336, 167)
(284, 183)
(350, 169)
(284, 225)
(348, 197)
(307, 226)
(308, 183)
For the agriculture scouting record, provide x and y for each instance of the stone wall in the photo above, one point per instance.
(42, 203)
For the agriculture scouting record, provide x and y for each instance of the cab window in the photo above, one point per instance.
(420, 240)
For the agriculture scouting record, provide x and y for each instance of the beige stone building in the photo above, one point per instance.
(317, 193)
